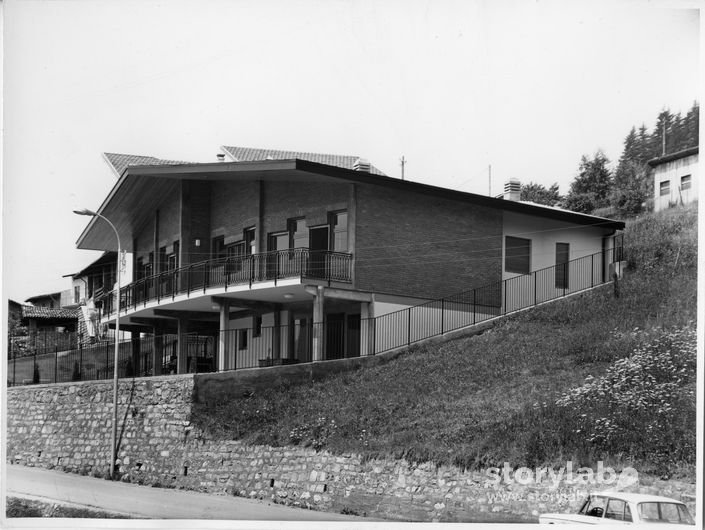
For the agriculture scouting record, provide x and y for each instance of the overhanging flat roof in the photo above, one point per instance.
(673, 156)
(129, 203)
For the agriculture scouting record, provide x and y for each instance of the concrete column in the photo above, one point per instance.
(182, 366)
(318, 327)
(157, 351)
(367, 327)
(136, 358)
(276, 335)
(223, 335)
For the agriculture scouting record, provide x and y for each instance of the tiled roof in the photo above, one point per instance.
(29, 311)
(120, 161)
(250, 154)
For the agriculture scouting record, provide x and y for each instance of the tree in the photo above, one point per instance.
(540, 194)
(632, 187)
(592, 187)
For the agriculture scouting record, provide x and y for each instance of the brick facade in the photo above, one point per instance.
(418, 245)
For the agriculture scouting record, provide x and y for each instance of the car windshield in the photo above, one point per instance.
(668, 512)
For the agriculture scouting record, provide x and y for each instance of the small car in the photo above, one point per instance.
(609, 507)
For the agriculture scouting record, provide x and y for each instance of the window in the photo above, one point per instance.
(562, 265)
(257, 329)
(250, 241)
(241, 339)
(665, 188)
(685, 182)
(618, 510)
(174, 257)
(517, 255)
(236, 255)
(76, 294)
(218, 247)
(298, 233)
(279, 241)
(339, 228)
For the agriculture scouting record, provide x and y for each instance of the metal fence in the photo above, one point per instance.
(251, 347)
(136, 357)
(407, 326)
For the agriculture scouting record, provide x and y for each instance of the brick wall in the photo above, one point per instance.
(67, 426)
(234, 207)
(408, 243)
(169, 219)
(313, 201)
(195, 222)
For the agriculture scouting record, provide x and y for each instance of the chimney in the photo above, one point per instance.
(512, 190)
(362, 165)
(220, 157)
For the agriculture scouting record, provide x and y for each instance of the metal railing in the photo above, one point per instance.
(261, 346)
(241, 270)
(467, 308)
(136, 358)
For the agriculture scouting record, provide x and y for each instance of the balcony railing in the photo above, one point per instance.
(242, 270)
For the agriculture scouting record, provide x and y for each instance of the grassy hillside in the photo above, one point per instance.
(518, 392)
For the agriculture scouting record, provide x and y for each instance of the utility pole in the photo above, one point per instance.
(403, 163)
(489, 178)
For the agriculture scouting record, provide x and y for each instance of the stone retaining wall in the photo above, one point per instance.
(68, 426)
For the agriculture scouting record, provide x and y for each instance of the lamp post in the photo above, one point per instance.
(113, 441)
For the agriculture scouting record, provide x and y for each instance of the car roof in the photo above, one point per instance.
(635, 497)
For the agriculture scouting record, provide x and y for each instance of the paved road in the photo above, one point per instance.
(153, 503)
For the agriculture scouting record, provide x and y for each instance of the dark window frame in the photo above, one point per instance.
(686, 182)
(242, 339)
(517, 255)
(332, 232)
(562, 265)
(664, 188)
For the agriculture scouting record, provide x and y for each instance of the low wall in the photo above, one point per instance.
(68, 426)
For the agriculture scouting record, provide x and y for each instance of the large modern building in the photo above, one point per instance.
(280, 258)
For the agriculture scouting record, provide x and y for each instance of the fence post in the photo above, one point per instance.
(409, 326)
(56, 363)
(80, 361)
(504, 308)
(592, 270)
(443, 308)
(535, 289)
(107, 358)
(474, 308)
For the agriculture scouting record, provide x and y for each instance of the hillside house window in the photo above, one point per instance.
(562, 265)
(685, 182)
(339, 229)
(665, 188)
(517, 255)
(76, 294)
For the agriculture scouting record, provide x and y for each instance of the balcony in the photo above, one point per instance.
(300, 263)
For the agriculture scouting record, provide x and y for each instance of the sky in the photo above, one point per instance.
(524, 86)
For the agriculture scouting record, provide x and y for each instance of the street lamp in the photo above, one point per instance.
(113, 442)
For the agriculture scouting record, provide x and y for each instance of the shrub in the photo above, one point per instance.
(644, 404)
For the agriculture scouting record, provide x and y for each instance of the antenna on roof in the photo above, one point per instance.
(489, 178)
(403, 163)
